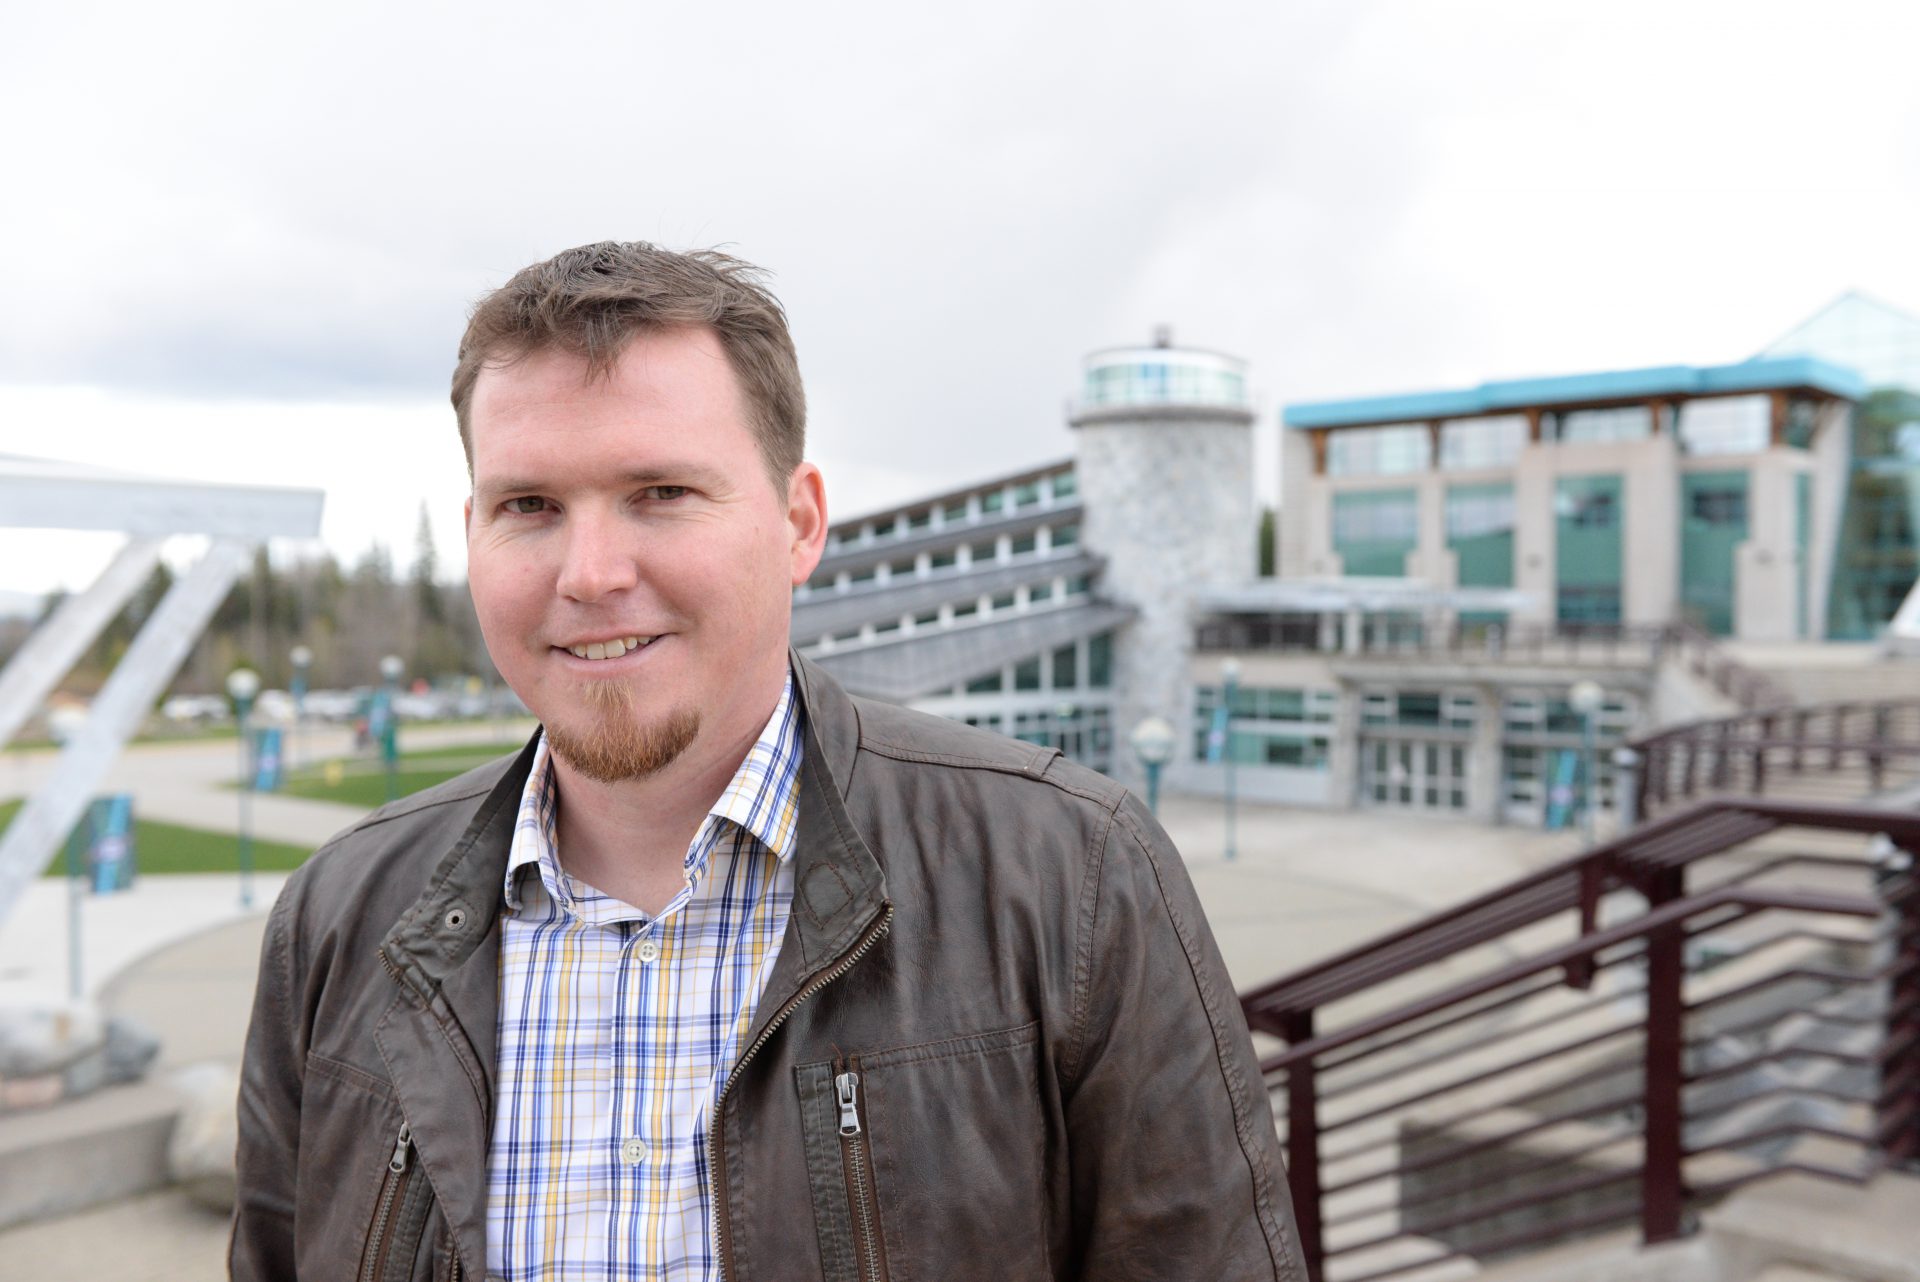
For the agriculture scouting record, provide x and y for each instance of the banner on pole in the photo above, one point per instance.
(269, 761)
(110, 853)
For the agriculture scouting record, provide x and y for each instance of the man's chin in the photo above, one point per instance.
(617, 747)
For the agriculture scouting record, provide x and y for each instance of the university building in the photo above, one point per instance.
(1450, 565)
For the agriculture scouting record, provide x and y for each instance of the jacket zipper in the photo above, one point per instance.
(374, 1263)
(856, 1155)
(716, 1190)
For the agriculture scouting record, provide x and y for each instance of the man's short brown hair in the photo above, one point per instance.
(592, 300)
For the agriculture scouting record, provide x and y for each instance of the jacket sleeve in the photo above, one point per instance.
(1175, 1164)
(267, 1158)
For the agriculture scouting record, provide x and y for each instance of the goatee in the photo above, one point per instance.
(617, 746)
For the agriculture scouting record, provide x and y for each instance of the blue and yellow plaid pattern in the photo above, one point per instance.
(618, 1030)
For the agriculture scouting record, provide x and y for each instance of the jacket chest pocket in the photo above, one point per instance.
(924, 1162)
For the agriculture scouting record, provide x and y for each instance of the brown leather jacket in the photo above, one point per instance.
(1053, 1075)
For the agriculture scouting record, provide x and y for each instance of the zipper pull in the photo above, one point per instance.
(846, 1087)
(398, 1162)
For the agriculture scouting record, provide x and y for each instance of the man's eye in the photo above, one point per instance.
(667, 491)
(527, 505)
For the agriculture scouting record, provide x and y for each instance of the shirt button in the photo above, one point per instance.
(633, 1151)
(648, 950)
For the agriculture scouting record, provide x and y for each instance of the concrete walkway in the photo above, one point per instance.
(182, 957)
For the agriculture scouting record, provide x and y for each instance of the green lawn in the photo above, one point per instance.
(165, 848)
(362, 781)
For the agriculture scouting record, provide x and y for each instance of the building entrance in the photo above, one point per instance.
(1418, 774)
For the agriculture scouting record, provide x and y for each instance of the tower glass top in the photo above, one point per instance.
(1164, 375)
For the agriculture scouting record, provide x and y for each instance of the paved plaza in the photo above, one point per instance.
(178, 953)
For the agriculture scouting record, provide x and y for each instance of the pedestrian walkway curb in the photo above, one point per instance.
(67, 1157)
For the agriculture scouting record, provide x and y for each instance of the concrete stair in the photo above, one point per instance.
(1791, 1228)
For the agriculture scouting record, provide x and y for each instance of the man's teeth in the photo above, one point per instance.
(608, 649)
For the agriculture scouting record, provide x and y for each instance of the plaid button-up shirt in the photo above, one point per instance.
(617, 1031)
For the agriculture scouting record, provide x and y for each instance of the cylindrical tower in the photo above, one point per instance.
(1165, 461)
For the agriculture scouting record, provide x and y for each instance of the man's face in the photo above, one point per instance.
(634, 507)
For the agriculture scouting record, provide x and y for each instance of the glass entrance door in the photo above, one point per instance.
(1417, 774)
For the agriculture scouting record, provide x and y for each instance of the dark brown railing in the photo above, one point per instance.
(1621, 1037)
(1837, 751)
(1560, 644)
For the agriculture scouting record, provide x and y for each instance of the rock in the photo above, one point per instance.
(130, 1050)
(200, 1154)
(35, 1040)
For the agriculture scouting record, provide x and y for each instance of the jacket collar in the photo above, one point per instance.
(447, 943)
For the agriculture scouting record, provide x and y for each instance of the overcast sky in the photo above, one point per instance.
(239, 240)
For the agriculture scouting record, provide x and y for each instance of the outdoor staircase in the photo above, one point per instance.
(1666, 1031)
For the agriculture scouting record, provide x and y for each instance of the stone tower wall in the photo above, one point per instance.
(1169, 504)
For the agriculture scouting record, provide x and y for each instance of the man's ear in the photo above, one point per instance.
(806, 519)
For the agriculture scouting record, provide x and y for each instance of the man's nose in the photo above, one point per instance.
(600, 558)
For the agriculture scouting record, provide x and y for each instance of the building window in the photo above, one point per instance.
(1720, 507)
(942, 560)
(1100, 661)
(1066, 667)
(1004, 601)
(1726, 425)
(1026, 494)
(1065, 485)
(954, 512)
(1622, 423)
(927, 620)
(1040, 592)
(967, 609)
(1026, 674)
(1373, 530)
(1025, 544)
(992, 683)
(1379, 451)
(993, 500)
(1066, 536)
(865, 575)
(1592, 509)
(984, 552)
(920, 520)
(1588, 603)
(1482, 442)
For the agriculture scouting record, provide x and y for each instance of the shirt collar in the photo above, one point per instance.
(762, 799)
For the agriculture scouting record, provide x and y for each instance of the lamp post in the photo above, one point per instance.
(242, 685)
(1586, 698)
(302, 657)
(391, 668)
(1153, 741)
(1230, 678)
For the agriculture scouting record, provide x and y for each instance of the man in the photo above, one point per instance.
(728, 974)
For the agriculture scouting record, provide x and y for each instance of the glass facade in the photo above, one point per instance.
(1373, 530)
(1713, 523)
(1164, 379)
(1380, 451)
(1588, 517)
(1879, 557)
(1726, 425)
(1624, 423)
(1480, 532)
(1270, 726)
(1482, 442)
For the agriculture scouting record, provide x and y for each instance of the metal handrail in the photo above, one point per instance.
(1652, 861)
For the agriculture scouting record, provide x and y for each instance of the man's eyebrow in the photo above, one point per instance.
(667, 474)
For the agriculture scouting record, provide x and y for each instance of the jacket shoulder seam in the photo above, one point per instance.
(1034, 769)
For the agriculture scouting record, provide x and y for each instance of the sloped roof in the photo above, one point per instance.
(931, 663)
(827, 612)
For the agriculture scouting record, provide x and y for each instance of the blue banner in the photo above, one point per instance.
(269, 761)
(110, 861)
(1217, 736)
